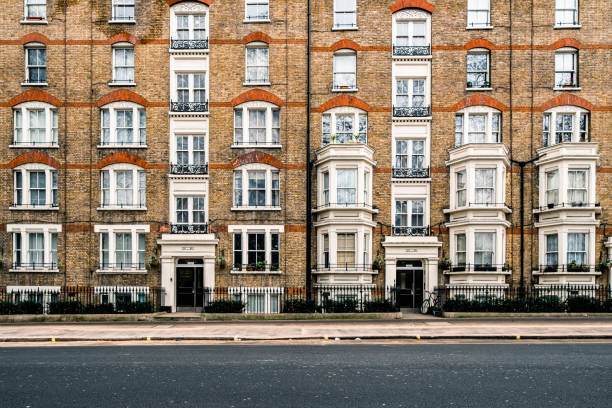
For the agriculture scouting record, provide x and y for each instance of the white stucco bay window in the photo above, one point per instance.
(256, 187)
(478, 185)
(34, 187)
(123, 124)
(256, 248)
(123, 187)
(257, 124)
(122, 248)
(567, 184)
(477, 124)
(34, 247)
(478, 248)
(35, 125)
(345, 186)
(344, 125)
(567, 249)
(565, 124)
(344, 248)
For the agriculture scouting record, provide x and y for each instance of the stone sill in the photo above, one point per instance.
(255, 21)
(121, 83)
(41, 208)
(121, 271)
(345, 89)
(121, 208)
(255, 146)
(121, 21)
(112, 146)
(345, 28)
(567, 27)
(245, 272)
(256, 84)
(556, 88)
(43, 22)
(34, 146)
(478, 89)
(487, 27)
(246, 208)
(34, 84)
(32, 270)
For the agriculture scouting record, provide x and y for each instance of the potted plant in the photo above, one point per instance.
(154, 262)
(602, 267)
(574, 267)
(260, 266)
(378, 264)
(469, 84)
(222, 263)
(333, 138)
(445, 263)
(551, 205)
(250, 267)
(506, 267)
(551, 268)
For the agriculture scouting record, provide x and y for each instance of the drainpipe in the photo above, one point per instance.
(308, 167)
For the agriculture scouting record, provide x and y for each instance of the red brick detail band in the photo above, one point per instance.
(122, 157)
(256, 157)
(479, 100)
(256, 36)
(403, 4)
(34, 95)
(123, 37)
(34, 157)
(567, 99)
(122, 95)
(34, 37)
(345, 44)
(344, 100)
(257, 95)
(173, 2)
(479, 43)
(567, 42)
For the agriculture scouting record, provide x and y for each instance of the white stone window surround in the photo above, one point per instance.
(349, 67)
(268, 230)
(112, 190)
(470, 168)
(340, 8)
(562, 232)
(490, 136)
(255, 82)
(343, 110)
(409, 198)
(191, 84)
(332, 169)
(129, 18)
(114, 49)
(189, 8)
(185, 132)
(257, 105)
(263, 14)
(563, 168)
(34, 46)
(22, 137)
(410, 152)
(561, 66)
(499, 248)
(410, 15)
(565, 9)
(332, 231)
(181, 194)
(480, 13)
(24, 229)
(271, 298)
(576, 112)
(245, 187)
(111, 230)
(50, 187)
(137, 139)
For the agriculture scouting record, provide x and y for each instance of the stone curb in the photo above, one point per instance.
(487, 315)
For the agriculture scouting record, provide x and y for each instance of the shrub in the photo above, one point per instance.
(65, 307)
(30, 307)
(379, 306)
(583, 304)
(224, 306)
(299, 306)
(9, 308)
(105, 308)
(135, 307)
(340, 306)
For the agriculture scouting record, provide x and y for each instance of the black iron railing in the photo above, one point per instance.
(188, 169)
(411, 111)
(36, 206)
(189, 106)
(121, 265)
(411, 50)
(568, 268)
(576, 204)
(479, 267)
(35, 265)
(478, 85)
(345, 267)
(405, 231)
(189, 228)
(35, 144)
(408, 172)
(189, 44)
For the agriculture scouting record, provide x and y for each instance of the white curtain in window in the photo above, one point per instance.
(345, 13)
(577, 186)
(344, 70)
(347, 184)
(484, 243)
(477, 129)
(552, 247)
(257, 64)
(485, 183)
(552, 187)
(576, 248)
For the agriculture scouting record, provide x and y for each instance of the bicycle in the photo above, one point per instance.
(431, 303)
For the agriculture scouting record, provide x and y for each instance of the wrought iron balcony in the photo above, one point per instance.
(478, 85)
(35, 265)
(189, 44)
(35, 206)
(188, 168)
(411, 111)
(412, 50)
(121, 265)
(401, 172)
(402, 231)
(189, 228)
(188, 106)
(569, 268)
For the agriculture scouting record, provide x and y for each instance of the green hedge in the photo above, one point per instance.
(340, 306)
(300, 306)
(26, 307)
(224, 306)
(543, 304)
(380, 306)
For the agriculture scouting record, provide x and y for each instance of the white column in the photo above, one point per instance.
(209, 272)
(431, 274)
(390, 272)
(167, 282)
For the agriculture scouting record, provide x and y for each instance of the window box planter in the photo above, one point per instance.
(222, 263)
(551, 268)
(378, 264)
(444, 263)
(573, 267)
(154, 262)
(550, 206)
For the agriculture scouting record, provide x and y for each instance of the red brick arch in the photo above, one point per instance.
(173, 2)
(256, 157)
(479, 100)
(122, 157)
(257, 95)
(122, 95)
(34, 37)
(404, 4)
(566, 42)
(345, 100)
(34, 95)
(566, 99)
(256, 36)
(479, 43)
(122, 37)
(34, 157)
(345, 44)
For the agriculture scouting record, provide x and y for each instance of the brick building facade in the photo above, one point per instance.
(164, 144)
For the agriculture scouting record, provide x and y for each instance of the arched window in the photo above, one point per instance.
(257, 123)
(256, 187)
(345, 70)
(123, 186)
(566, 68)
(344, 124)
(35, 187)
(123, 124)
(35, 125)
(257, 64)
(565, 124)
(477, 124)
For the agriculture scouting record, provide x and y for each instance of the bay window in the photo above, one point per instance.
(122, 248)
(256, 187)
(35, 187)
(566, 13)
(552, 187)
(478, 69)
(345, 253)
(477, 125)
(565, 124)
(257, 10)
(566, 68)
(577, 248)
(460, 249)
(36, 64)
(34, 247)
(35, 9)
(256, 250)
(123, 186)
(347, 186)
(257, 124)
(577, 186)
(257, 64)
(484, 191)
(123, 64)
(349, 125)
(190, 155)
(461, 189)
(345, 70)
(478, 13)
(484, 249)
(552, 250)
(35, 124)
(345, 14)
(123, 124)
(123, 10)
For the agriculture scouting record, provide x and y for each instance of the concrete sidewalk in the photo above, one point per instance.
(431, 329)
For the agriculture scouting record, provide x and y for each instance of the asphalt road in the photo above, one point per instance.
(424, 375)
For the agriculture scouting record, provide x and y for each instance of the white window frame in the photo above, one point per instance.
(551, 251)
(115, 48)
(190, 210)
(332, 114)
(584, 189)
(254, 81)
(51, 187)
(578, 134)
(112, 190)
(491, 188)
(552, 192)
(24, 229)
(268, 231)
(561, 9)
(258, 18)
(410, 155)
(487, 82)
(345, 251)
(574, 82)
(21, 135)
(139, 134)
(115, 4)
(244, 174)
(191, 89)
(576, 251)
(478, 7)
(349, 87)
(270, 298)
(462, 130)
(34, 3)
(191, 15)
(137, 265)
(411, 37)
(191, 136)
(461, 199)
(272, 130)
(411, 92)
(363, 185)
(411, 208)
(29, 47)
(338, 11)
